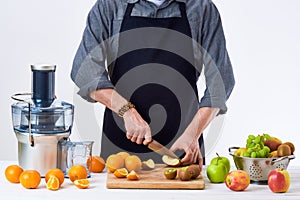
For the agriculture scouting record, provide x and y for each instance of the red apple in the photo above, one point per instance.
(279, 180)
(237, 180)
(273, 143)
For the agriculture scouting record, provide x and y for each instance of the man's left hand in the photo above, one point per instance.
(191, 148)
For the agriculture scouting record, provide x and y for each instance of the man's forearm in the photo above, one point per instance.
(137, 130)
(110, 98)
(202, 119)
(114, 101)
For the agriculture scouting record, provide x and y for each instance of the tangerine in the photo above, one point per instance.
(53, 183)
(96, 164)
(114, 162)
(121, 173)
(12, 173)
(82, 183)
(55, 172)
(77, 172)
(132, 175)
(133, 162)
(30, 179)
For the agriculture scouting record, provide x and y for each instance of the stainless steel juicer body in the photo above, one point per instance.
(41, 122)
(44, 155)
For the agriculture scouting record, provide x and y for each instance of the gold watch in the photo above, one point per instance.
(125, 108)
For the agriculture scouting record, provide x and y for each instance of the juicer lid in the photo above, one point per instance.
(43, 67)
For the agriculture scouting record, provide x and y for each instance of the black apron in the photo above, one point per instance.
(160, 83)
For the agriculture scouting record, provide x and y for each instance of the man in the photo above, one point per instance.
(142, 60)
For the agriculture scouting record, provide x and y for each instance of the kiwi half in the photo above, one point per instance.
(170, 173)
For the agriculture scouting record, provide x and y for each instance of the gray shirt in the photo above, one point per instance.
(99, 45)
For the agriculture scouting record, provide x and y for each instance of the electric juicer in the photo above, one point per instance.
(41, 122)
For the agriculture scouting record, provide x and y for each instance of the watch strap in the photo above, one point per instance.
(125, 108)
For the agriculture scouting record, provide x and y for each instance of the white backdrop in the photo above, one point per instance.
(263, 42)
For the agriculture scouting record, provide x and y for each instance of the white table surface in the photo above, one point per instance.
(98, 190)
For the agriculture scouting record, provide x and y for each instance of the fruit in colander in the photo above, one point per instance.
(291, 145)
(273, 143)
(240, 151)
(255, 147)
(284, 150)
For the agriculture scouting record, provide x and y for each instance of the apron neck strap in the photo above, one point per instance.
(129, 9)
(131, 5)
(182, 9)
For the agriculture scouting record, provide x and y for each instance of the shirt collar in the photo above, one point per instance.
(134, 1)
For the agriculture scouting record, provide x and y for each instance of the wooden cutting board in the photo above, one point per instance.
(153, 179)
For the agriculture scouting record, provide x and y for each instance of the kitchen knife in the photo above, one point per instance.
(160, 149)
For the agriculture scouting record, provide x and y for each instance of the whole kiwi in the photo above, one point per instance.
(284, 150)
(194, 170)
(291, 145)
(184, 174)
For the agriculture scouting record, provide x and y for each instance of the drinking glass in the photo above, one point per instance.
(75, 153)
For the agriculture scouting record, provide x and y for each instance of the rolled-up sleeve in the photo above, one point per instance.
(88, 71)
(217, 66)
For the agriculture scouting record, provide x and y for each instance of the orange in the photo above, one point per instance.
(82, 183)
(77, 172)
(30, 179)
(132, 175)
(96, 164)
(123, 154)
(133, 163)
(53, 183)
(55, 172)
(12, 173)
(121, 173)
(114, 162)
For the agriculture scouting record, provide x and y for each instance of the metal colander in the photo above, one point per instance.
(259, 168)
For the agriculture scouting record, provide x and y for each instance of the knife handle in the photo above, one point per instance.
(179, 153)
(160, 149)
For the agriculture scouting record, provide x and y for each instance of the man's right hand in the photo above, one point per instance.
(137, 129)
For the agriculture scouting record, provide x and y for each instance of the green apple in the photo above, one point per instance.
(223, 160)
(216, 172)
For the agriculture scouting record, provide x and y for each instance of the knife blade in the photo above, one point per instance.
(160, 149)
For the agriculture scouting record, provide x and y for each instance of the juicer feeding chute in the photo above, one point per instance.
(41, 121)
(43, 85)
